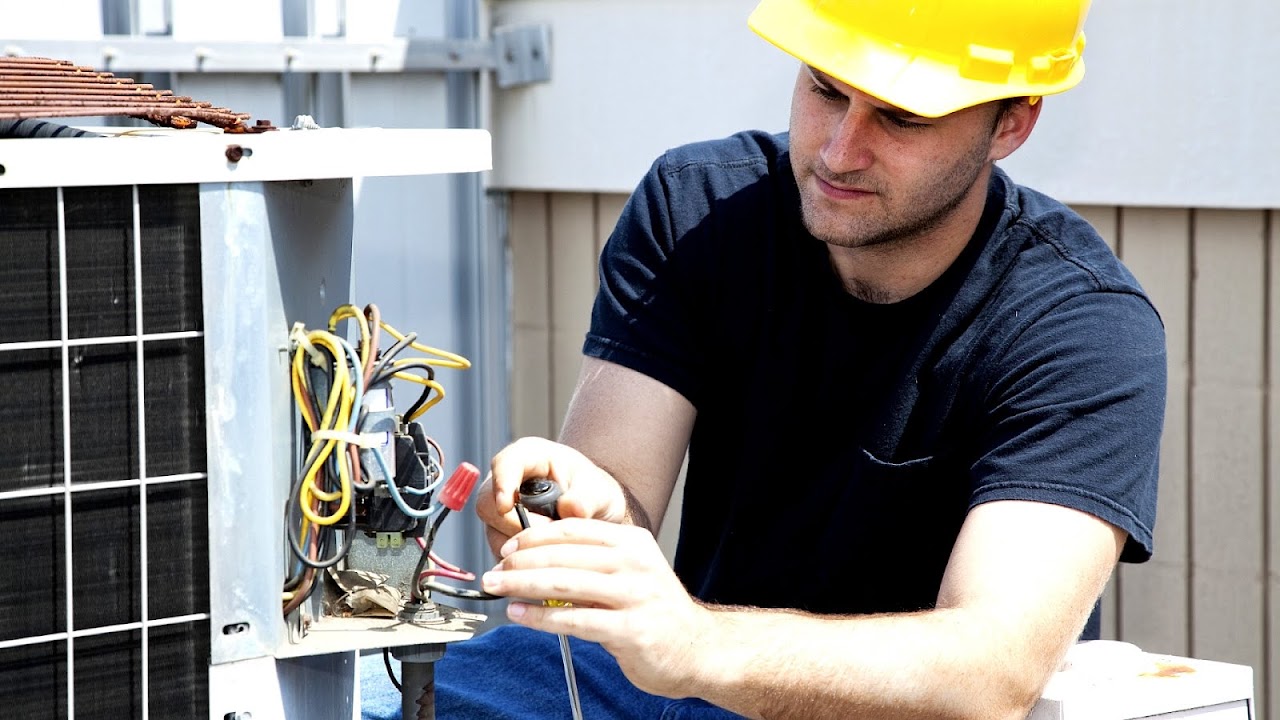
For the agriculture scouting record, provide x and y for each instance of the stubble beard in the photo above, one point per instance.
(904, 218)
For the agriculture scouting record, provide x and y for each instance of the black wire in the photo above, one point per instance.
(389, 355)
(388, 373)
(289, 511)
(317, 398)
(295, 542)
(441, 588)
(320, 392)
(464, 593)
(391, 673)
(426, 390)
(320, 385)
(426, 554)
(426, 394)
(342, 551)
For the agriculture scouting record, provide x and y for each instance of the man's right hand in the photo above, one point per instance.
(588, 491)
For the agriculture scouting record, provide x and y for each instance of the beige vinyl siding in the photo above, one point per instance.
(1211, 591)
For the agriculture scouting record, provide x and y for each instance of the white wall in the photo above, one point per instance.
(1177, 107)
(630, 78)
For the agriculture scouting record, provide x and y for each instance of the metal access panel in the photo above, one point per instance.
(150, 434)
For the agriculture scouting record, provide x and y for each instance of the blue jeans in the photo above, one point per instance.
(512, 672)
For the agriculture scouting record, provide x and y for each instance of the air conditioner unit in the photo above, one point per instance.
(1110, 680)
(151, 279)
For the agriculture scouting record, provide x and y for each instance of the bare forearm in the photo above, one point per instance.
(936, 664)
(636, 514)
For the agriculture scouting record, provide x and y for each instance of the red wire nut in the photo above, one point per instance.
(458, 487)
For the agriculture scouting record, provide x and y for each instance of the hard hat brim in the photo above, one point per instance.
(911, 81)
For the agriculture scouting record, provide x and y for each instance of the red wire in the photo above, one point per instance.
(445, 572)
(445, 569)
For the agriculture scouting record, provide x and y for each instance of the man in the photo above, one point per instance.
(921, 404)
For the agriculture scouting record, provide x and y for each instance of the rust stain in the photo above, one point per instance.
(1166, 670)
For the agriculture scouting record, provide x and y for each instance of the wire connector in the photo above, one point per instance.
(458, 488)
(299, 337)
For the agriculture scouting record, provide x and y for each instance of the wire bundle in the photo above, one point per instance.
(330, 379)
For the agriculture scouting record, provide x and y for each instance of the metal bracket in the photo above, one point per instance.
(519, 55)
(523, 55)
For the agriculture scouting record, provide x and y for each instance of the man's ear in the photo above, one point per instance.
(1015, 126)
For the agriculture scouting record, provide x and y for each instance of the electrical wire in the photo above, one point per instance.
(393, 490)
(391, 673)
(329, 378)
(426, 401)
(415, 591)
(334, 381)
(443, 358)
(306, 584)
(386, 358)
(422, 574)
(337, 417)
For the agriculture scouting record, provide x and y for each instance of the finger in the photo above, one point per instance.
(590, 624)
(498, 526)
(496, 540)
(596, 558)
(488, 510)
(525, 458)
(574, 505)
(571, 585)
(582, 531)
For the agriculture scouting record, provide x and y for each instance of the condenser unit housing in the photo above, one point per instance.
(149, 281)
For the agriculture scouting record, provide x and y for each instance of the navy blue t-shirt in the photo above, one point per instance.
(839, 444)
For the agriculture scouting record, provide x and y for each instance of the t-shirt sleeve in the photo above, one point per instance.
(1077, 408)
(642, 317)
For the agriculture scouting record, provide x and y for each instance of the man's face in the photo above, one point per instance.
(871, 173)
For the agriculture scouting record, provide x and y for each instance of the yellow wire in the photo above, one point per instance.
(448, 359)
(346, 312)
(342, 399)
(339, 408)
(298, 380)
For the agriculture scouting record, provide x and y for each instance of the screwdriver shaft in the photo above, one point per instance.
(566, 654)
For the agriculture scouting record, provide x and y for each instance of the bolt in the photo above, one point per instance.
(234, 153)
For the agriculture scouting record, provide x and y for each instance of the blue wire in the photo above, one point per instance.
(395, 493)
(358, 374)
(428, 489)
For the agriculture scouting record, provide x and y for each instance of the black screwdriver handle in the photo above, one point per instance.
(540, 495)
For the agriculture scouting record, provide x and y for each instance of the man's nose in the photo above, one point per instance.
(849, 148)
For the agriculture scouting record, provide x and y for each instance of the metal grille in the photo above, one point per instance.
(104, 578)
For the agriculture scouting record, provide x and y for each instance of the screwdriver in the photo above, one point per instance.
(540, 495)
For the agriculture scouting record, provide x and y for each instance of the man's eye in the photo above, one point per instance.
(825, 92)
(905, 123)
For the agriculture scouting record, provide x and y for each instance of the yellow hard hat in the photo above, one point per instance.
(933, 57)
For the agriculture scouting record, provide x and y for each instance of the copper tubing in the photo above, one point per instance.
(44, 88)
